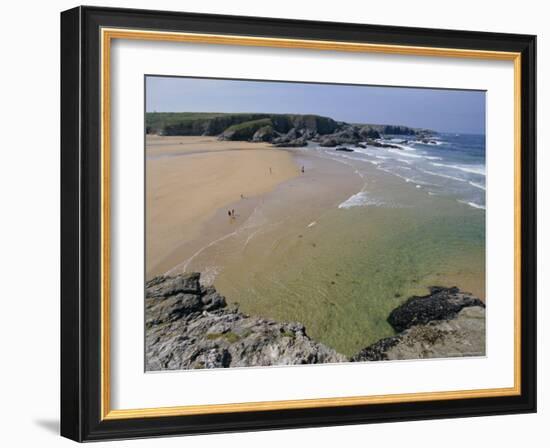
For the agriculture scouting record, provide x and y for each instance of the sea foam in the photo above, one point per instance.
(416, 156)
(474, 169)
(443, 175)
(474, 184)
(472, 204)
(360, 199)
(356, 200)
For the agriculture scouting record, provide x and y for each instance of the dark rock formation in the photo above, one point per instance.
(168, 286)
(189, 326)
(247, 130)
(293, 138)
(444, 323)
(441, 304)
(347, 135)
(368, 131)
(397, 130)
(378, 144)
(462, 335)
(281, 130)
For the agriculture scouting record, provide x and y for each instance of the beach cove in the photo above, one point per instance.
(336, 247)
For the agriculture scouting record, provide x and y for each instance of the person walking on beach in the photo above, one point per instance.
(270, 172)
(233, 213)
(303, 170)
(229, 213)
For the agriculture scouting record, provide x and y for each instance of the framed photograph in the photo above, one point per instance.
(276, 224)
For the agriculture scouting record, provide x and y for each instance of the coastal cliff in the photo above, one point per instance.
(189, 326)
(278, 129)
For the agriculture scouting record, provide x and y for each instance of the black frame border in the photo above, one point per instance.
(81, 223)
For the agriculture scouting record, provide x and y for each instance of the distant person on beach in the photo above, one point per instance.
(233, 213)
(229, 213)
(303, 170)
(270, 172)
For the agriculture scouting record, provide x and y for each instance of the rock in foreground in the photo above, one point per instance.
(190, 328)
(442, 303)
(446, 323)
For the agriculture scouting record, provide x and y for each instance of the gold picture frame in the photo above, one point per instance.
(106, 32)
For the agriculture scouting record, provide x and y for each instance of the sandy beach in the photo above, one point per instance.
(190, 178)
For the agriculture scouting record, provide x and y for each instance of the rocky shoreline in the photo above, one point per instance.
(189, 326)
(281, 130)
(445, 323)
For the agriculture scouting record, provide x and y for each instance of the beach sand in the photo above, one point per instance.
(189, 178)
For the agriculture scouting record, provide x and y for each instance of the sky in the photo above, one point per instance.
(460, 111)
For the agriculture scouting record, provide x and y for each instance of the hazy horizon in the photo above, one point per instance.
(442, 110)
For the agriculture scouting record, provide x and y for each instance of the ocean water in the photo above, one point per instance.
(450, 165)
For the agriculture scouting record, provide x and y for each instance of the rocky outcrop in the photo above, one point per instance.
(280, 129)
(356, 133)
(444, 323)
(189, 326)
(441, 304)
(463, 335)
(293, 138)
(264, 134)
(378, 144)
(347, 135)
